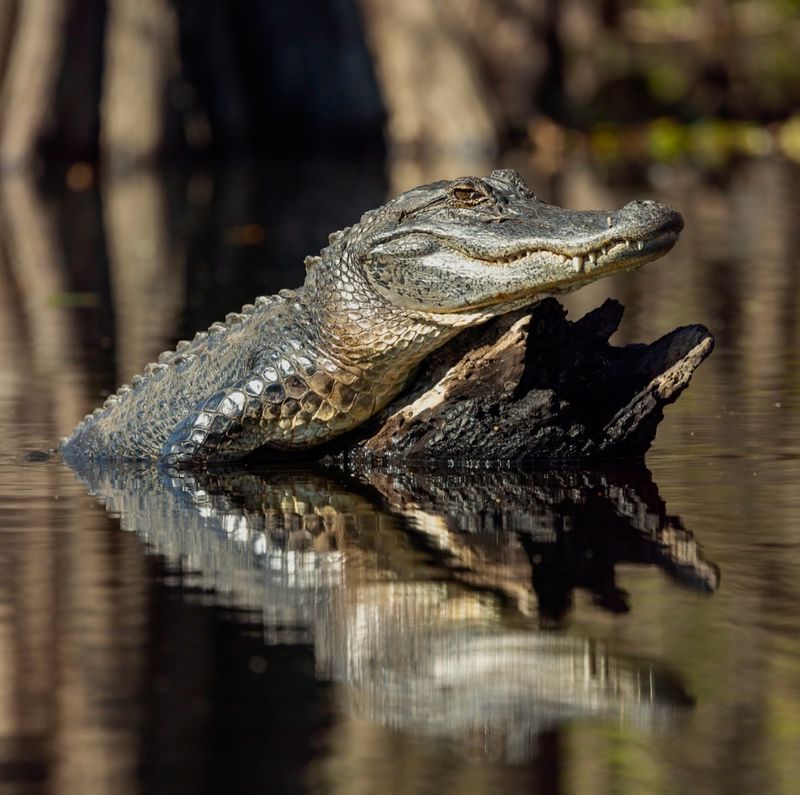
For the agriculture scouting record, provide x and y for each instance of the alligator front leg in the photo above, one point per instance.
(224, 427)
(267, 409)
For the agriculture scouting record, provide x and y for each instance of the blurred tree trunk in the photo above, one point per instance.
(30, 75)
(6, 33)
(432, 88)
(74, 135)
(460, 79)
(46, 335)
(146, 278)
(141, 56)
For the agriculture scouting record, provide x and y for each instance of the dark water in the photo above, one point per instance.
(616, 630)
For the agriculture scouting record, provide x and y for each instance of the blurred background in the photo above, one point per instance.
(164, 161)
(176, 157)
(122, 83)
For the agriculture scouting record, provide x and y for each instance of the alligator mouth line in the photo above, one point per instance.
(620, 250)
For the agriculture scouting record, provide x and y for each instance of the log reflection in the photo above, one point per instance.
(423, 612)
(575, 527)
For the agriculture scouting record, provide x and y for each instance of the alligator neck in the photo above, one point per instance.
(363, 331)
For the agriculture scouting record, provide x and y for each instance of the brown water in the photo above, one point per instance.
(575, 631)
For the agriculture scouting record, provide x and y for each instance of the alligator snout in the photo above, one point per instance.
(648, 215)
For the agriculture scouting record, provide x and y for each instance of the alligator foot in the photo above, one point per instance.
(534, 385)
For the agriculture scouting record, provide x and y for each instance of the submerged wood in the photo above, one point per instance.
(534, 385)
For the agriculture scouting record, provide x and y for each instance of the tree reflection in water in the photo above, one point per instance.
(427, 597)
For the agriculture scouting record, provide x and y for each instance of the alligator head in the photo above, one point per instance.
(490, 245)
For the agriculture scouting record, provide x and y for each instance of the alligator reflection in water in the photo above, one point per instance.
(424, 611)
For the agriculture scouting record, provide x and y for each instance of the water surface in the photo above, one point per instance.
(622, 629)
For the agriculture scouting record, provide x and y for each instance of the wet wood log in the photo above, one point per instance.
(534, 385)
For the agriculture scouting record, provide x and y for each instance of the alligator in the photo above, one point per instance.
(297, 369)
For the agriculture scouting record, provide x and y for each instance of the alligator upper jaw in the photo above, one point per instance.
(637, 233)
(621, 254)
(623, 251)
(581, 241)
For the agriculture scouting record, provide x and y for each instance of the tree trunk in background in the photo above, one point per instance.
(46, 334)
(141, 57)
(431, 86)
(30, 77)
(6, 33)
(457, 77)
(146, 279)
(74, 134)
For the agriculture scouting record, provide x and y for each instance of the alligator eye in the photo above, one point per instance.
(469, 194)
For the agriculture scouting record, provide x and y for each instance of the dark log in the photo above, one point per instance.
(534, 385)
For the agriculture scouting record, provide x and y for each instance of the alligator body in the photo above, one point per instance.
(294, 370)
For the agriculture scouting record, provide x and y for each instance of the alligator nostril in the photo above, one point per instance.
(640, 204)
(677, 220)
(654, 214)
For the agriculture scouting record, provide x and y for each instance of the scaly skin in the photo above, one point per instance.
(297, 369)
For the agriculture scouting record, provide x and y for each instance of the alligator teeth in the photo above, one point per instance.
(509, 258)
(577, 263)
(640, 245)
(593, 258)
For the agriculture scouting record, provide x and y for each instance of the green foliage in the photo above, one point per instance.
(667, 81)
